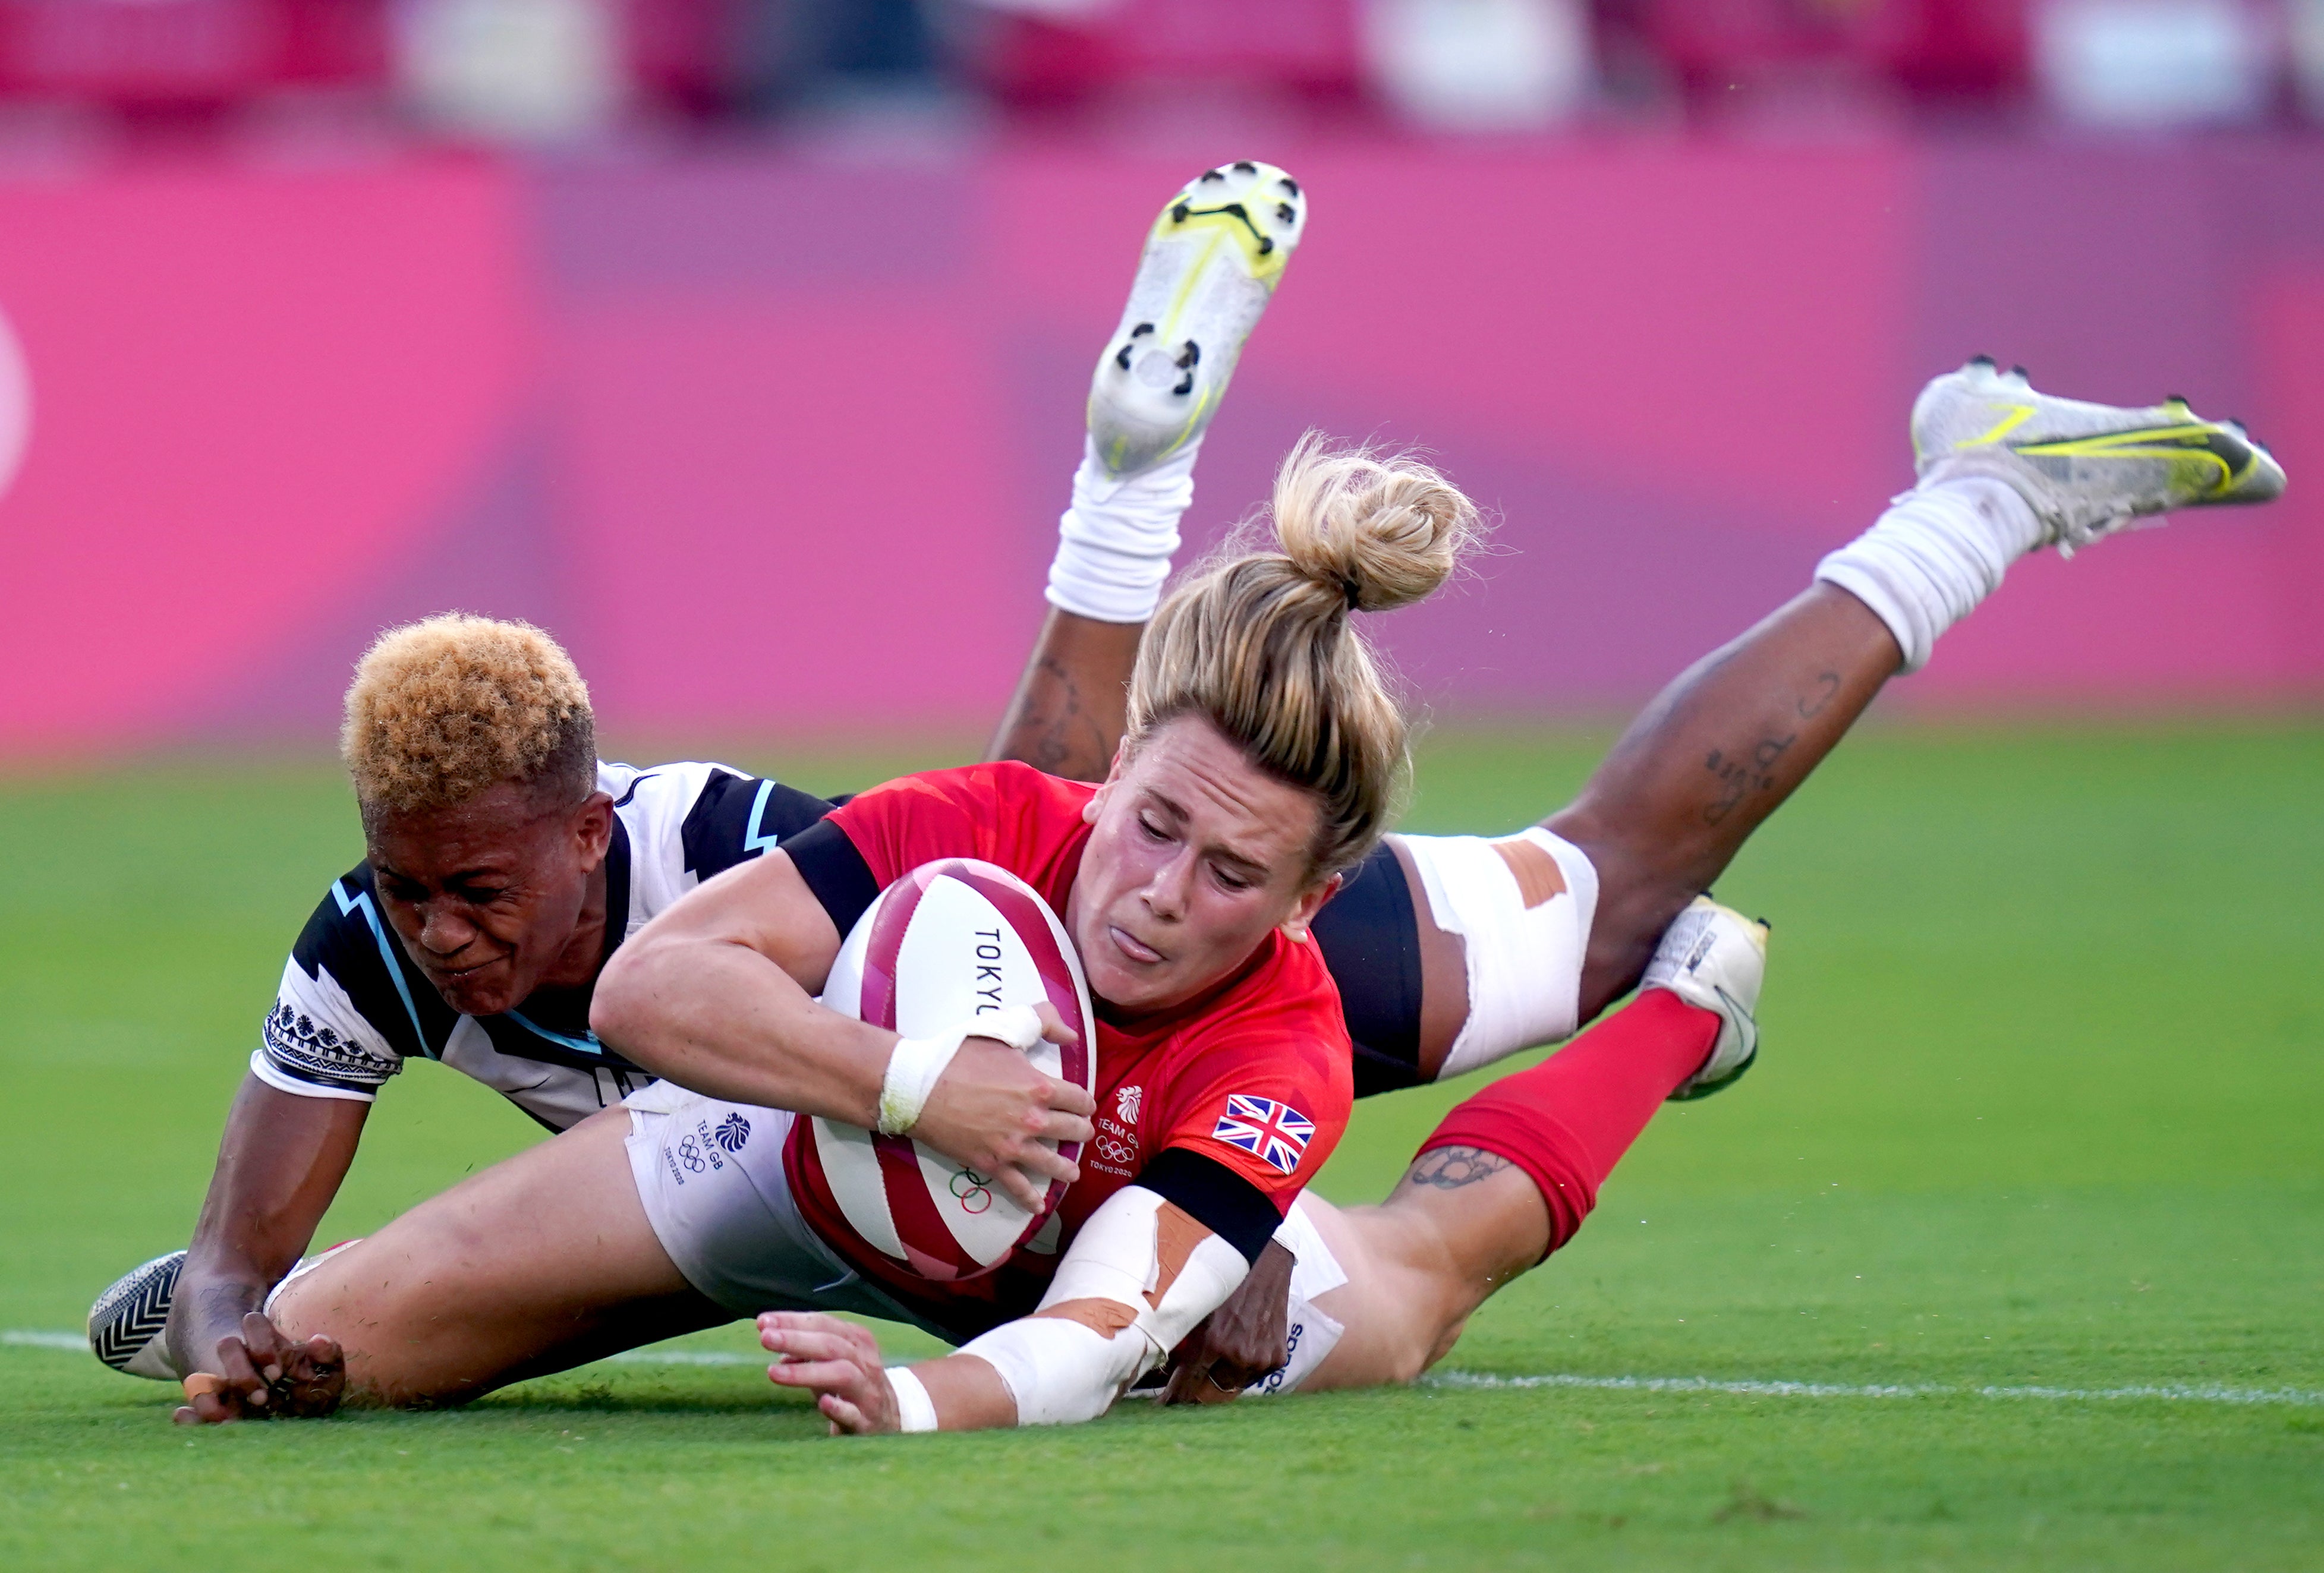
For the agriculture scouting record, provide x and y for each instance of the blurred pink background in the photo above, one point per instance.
(773, 430)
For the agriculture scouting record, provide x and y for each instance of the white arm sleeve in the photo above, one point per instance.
(1061, 1368)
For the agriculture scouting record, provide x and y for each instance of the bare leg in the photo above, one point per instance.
(1461, 1224)
(1699, 771)
(540, 1263)
(1715, 754)
(1507, 1177)
(1067, 715)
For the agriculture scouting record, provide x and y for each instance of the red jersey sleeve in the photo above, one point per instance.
(902, 823)
(1267, 1087)
(1006, 813)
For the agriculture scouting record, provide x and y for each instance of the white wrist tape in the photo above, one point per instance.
(916, 1064)
(1115, 543)
(1061, 1370)
(912, 1072)
(915, 1410)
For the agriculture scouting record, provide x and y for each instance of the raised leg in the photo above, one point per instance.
(1209, 266)
(1706, 763)
(1069, 710)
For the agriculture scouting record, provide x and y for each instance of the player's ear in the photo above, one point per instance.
(593, 830)
(1096, 804)
(1310, 902)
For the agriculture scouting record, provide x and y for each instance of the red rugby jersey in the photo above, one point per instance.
(1254, 1075)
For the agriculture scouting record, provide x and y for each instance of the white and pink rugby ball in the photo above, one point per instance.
(947, 943)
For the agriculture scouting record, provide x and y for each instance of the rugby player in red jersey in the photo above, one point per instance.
(1451, 952)
(1261, 757)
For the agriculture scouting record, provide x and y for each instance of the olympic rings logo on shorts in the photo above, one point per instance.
(690, 1155)
(968, 1188)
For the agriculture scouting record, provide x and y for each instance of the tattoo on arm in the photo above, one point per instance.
(1451, 1168)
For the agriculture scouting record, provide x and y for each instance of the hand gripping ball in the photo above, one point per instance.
(949, 941)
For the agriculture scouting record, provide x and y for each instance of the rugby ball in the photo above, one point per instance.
(949, 941)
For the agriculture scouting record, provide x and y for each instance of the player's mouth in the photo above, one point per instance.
(449, 978)
(1132, 949)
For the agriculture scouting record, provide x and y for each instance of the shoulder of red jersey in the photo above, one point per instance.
(1003, 813)
(1263, 1083)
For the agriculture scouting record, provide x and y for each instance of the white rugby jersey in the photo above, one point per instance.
(353, 1007)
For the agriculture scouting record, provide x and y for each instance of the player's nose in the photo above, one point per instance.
(1165, 894)
(442, 933)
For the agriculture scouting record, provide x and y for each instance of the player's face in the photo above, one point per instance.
(1197, 854)
(488, 895)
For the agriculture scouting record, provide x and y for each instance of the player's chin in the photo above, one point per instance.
(1136, 990)
(486, 990)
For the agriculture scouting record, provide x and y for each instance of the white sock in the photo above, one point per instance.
(1936, 553)
(1114, 543)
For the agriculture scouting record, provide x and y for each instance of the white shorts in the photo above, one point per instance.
(1309, 1332)
(711, 1176)
(304, 1265)
(1524, 963)
(722, 1210)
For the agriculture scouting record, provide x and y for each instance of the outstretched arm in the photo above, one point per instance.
(1137, 1279)
(280, 1163)
(717, 994)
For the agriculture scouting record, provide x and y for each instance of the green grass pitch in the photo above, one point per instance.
(2040, 1108)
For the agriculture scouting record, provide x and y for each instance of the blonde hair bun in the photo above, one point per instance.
(1260, 643)
(1380, 530)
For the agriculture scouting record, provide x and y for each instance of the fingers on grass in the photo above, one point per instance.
(821, 1375)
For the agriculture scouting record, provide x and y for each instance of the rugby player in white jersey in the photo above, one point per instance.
(1451, 952)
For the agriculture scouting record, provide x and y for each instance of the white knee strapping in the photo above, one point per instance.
(1524, 963)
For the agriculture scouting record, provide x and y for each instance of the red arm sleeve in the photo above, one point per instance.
(900, 825)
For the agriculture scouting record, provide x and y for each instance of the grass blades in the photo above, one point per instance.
(2041, 1105)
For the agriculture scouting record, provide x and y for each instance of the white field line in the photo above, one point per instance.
(690, 1357)
(2171, 1392)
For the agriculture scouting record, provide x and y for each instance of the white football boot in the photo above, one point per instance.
(2087, 470)
(1210, 265)
(125, 1325)
(1714, 957)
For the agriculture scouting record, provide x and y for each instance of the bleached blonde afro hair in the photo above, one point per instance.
(450, 706)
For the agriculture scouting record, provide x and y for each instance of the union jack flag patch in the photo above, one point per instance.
(1276, 1132)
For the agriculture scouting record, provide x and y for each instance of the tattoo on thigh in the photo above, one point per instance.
(1451, 1168)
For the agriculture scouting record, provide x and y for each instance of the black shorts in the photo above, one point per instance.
(1370, 940)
